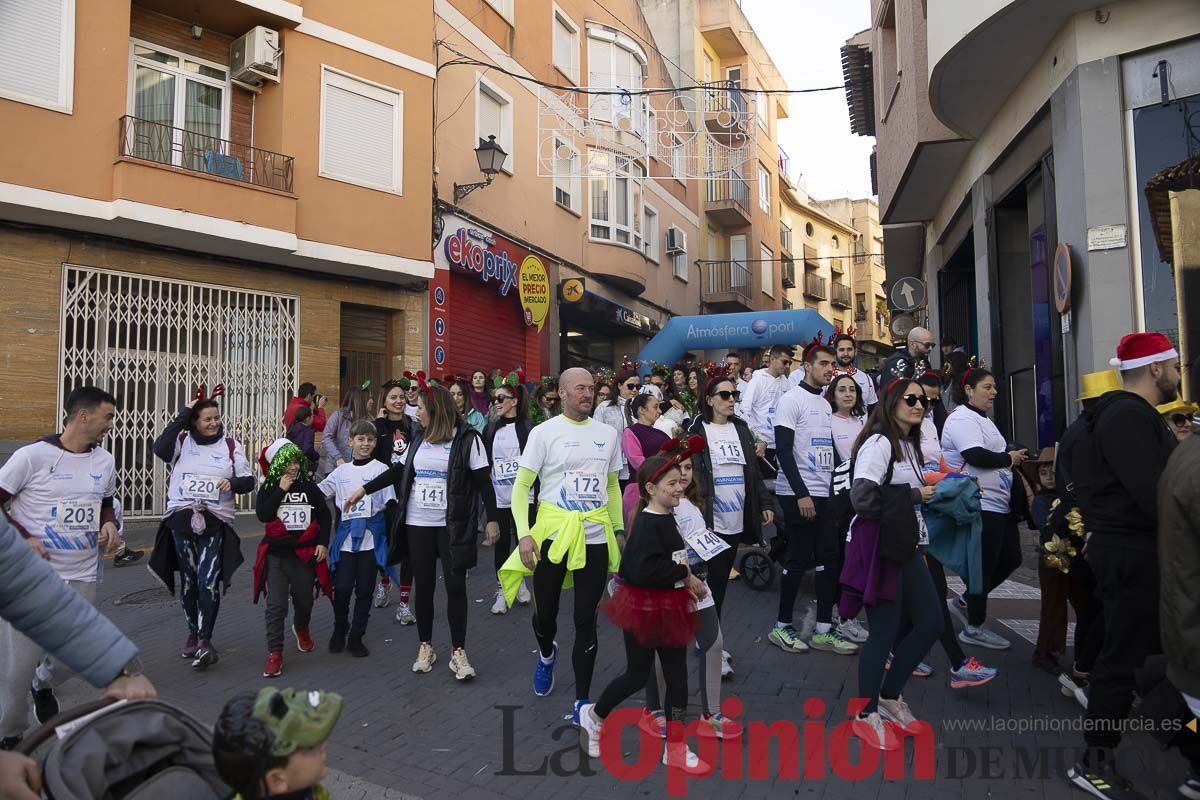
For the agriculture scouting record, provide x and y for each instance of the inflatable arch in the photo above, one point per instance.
(731, 331)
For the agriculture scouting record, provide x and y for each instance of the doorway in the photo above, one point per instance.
(365, 346)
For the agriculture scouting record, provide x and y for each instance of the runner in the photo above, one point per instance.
(59, 492)
(576, 459)
(804, 434)
(196, 537)
(846, 350)
(613, 413)
(761, 396)
(845, 399)
(642, 438)
(393, 431)
(505, 439)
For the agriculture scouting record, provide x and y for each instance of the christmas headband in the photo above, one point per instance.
(513, 379)
(202, 392)
(678, 451)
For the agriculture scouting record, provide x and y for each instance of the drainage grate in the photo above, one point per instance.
(146, 597)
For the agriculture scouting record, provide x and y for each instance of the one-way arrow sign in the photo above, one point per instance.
(908, 294)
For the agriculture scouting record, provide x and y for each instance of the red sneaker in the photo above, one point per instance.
(303, 640)
(274, 667)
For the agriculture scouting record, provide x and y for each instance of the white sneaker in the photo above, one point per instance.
(381, 595)
(425, 658)
(726, 667)
(852, 630)
(459, 665)
(404, 614)
(680, 756)
(983, 638)
(875, 732)
(591, 729)
(523, 595)
(897, 711)
(501, 605)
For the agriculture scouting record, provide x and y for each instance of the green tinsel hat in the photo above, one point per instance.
(275, 458)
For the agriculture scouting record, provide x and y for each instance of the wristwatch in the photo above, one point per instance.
(132, 669)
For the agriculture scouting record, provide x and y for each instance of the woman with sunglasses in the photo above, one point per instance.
(888, 454)
(545, 397)
(737, 500)
(504, 439)
(1178, 416)
(394, 430)
(972, 444)
(459, 393)
(612, 413)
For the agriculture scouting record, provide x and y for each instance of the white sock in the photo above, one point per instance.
(779, 624)
(546, 660)
(824, 627)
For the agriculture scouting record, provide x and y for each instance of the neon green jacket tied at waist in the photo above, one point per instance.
(567, 527)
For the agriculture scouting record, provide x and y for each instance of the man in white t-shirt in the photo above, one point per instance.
(761, 396)
(576, 459)
(804, 436)
(59, 492)
(846, 350)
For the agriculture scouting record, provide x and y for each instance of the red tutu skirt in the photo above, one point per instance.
(655, 617)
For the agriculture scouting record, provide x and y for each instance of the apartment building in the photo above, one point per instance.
(867, 276)
(1015, 141)
(209, 192)
(822, 243)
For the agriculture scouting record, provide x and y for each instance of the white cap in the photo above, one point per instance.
(272, 450)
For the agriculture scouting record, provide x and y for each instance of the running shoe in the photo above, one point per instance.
(206, 656)
(1190, 788)
(425, 658)
(897, 711)
(718, 725)
(274, 667)
(982, 637)
(126, 556)
(459, 665)
(591, 729)
(45, 704)
(190, 646)
(523, 595)
(1102, 781)
(575, 711)
(726, 666)
(501, 605)
(304, 642)
(786, 638)
(653, 723)
(921, 670)
(404, 614)
(852, 631)
(830, 642)
(381, 594)
(543, 674)
(971, 673)
(677, 755)
(874, 732)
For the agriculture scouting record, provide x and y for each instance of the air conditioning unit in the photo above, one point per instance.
(676, 241)
(254, 58)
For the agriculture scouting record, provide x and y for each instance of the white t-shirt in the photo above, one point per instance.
(411, 411)
(759, 403)
(809, 415)
(845, 434)
(427, 498)
(966, 428)
(866, 387)
(689, 519)
(342, 482)
(195, 470)
(573, 461)
(874, 456)
(931, 445)
(729, 478)
(614, 417)
(56, 499)
(506, 458)
(796, 376)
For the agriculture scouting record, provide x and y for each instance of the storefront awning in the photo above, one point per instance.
(590, 310)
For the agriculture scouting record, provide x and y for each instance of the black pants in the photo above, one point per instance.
(810, 543)
(508, 531)
(425, 547)
(355, 574)
(548, 580)
(719, 568)
(840, 515)
(639, 666)
(1089, 626)
(1001, 554)
(916, 599)
(954, 651)
(287, 576)
(1128, 580)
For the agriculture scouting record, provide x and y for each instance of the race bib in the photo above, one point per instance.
(295, 517)
(430, 493)
(360, 510)
(584, 486)
(77, 516)
(505, 470)
(822, 453)
(200, 487)
(922, 531)
(729, 451)
(706, 543)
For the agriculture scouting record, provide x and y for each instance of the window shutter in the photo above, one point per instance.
(360, 134)
(35, 61)
(491, 113)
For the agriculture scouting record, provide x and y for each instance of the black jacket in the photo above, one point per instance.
(1179, 563)
(758, 497)
(646, 560)
(1121, 456)
(524, 426)
(388, 446)
(266, 508)
(900, 365)
(461, 498)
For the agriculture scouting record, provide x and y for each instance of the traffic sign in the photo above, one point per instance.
(1062, 278)
(908, 294)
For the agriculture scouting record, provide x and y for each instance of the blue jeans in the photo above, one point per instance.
(200, 578)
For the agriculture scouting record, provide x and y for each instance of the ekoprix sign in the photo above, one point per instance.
(731, 331)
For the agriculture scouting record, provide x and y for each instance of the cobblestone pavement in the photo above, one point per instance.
(404, 735)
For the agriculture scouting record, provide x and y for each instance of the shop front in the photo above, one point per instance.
(596, 331)
(489, 303)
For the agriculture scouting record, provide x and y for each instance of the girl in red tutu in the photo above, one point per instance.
(654, 604)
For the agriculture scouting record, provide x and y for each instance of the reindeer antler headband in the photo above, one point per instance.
(679, 450)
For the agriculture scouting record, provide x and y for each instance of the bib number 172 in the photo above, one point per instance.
(584, 486)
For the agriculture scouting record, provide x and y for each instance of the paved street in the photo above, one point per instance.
(404, 735)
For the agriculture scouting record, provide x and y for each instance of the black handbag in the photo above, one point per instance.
(899, 531)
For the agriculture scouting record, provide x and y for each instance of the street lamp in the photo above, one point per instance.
(490, 156)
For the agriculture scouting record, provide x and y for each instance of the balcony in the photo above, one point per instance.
(194, 152)
(785, 165)
(814, 287)
(728, 202)
(724, 25)
(835, 265)
(726, 286)
(727, 113)
(841, 295)
(789, 273)
(785, 238)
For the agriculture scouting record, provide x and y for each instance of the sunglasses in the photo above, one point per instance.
(725, 394)
(632, 385)
(787, 362)
(501, 398)
(1181, 420)
(551, 398)
(912, 399)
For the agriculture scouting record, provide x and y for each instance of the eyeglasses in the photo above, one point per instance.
(912, 399)
(500, 398)
(725, 394)
(930, 343)
(632, 385)
(1181, 420)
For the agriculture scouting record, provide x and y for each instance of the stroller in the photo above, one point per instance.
(121, 750)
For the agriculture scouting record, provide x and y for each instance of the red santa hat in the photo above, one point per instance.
(1139, 349)
(269, 452)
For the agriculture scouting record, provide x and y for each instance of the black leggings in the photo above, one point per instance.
(719, 568)
(355, 574)
(810, 543)
(639, 666)
(548, 580)
(954, 651)
(425, 547)
(917, 599)
(1001, 555)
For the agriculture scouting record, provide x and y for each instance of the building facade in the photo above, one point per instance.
(868, 276)
(1007, 133)
(209, 193)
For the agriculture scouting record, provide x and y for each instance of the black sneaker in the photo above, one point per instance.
(1190, 789)
(337, 642)
(10, 742)
(206, 656)
(45, 704)
(1102, 781)
(356, 648)
(127, 557)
